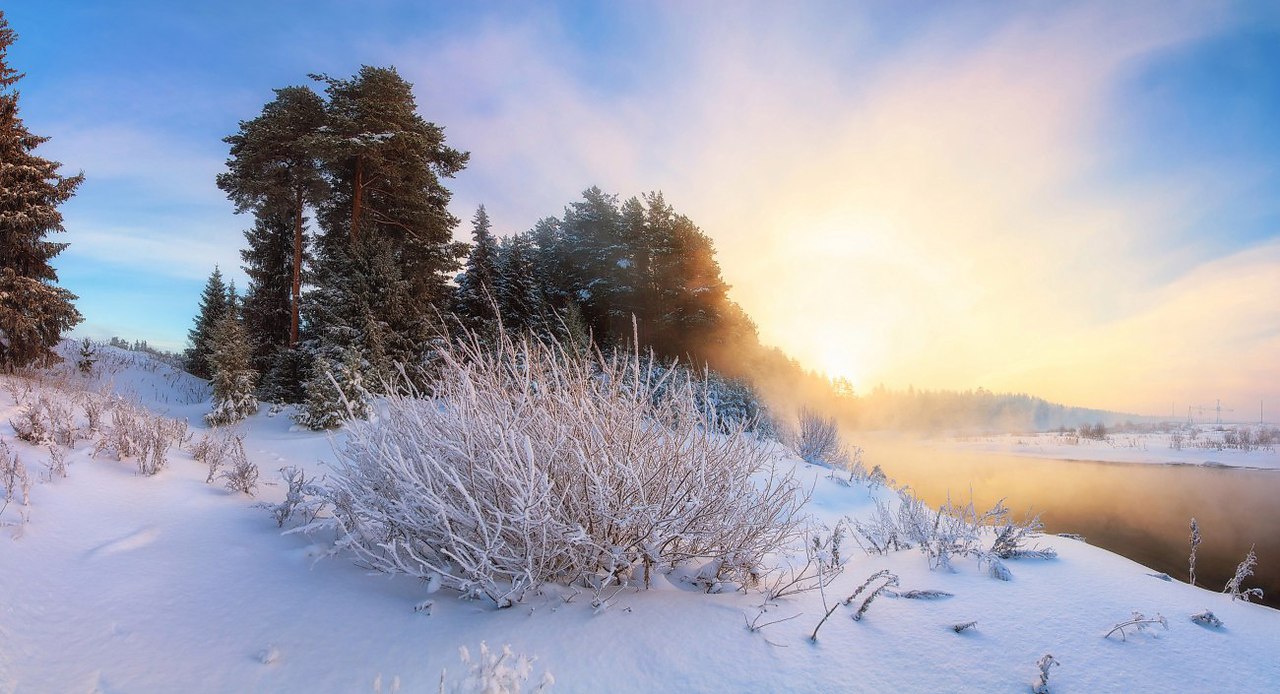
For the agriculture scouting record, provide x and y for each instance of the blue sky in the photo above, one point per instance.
(939, 194)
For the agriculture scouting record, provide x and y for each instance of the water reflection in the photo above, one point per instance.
(1139, 511)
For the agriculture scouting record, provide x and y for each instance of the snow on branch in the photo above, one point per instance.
(531, 464)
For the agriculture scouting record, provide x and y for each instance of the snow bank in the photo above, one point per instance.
(122, 582)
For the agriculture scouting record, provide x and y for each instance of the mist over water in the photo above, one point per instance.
(1135, 510)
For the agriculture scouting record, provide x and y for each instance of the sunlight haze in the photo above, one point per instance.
(1074, 200)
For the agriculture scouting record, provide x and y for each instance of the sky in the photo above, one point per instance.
(1075, 200)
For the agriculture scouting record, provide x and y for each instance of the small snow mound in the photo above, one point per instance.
(268, 655)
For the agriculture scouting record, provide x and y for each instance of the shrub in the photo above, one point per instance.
(495, 673)
(818, 440)
(530, 464)
(242, 475)
(1243, 571)
(1045, 662)
(304, 497)
(136, 432)
(14, 481)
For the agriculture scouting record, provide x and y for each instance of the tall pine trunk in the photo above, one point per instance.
(355, 204)
(295, 300)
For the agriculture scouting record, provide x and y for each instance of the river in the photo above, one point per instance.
(1140, 511)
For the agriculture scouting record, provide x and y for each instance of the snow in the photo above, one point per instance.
(125, 583)
(1145, 448)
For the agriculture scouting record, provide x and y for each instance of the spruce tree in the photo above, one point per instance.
(34, 311)
(234, 379)
(213, 306)
(335, 392)
(267, 304)
(519, 294)
(476, 295)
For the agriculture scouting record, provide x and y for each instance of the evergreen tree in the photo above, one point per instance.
(335, 392)
(520, 297)
(477, 294)
(275, 172)
(213, 306)
(595, 262)
(234, 379)
(34, 311)
(386, 248)
(268, 303)
(88, 357)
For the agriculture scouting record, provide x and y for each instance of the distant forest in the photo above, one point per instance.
(354, 271)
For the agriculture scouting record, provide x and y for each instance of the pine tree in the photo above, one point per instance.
(213, 306)
(384, 163)
(34, 311)
(234, 379)
(274, 171)
(476, 295)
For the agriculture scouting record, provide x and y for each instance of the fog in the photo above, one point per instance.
(1139, 511)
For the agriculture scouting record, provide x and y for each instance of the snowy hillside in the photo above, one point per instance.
(116, 581)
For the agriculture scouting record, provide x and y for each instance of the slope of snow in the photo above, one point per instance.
(124, 583)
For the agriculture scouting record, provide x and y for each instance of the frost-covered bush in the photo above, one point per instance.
(214, 450)
(531, 463)
(242, 474)
(734, 404)
(304, 497)
(14, 481)
(135, 432)
(1045, 662)
(225, 449)
(495, 673)
(94, 409)
(1243, 571)
(950, 531)
(824, 560)
(57, 463)
(47, 419)
(817, 440)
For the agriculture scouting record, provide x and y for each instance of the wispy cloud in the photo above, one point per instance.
(941, 209)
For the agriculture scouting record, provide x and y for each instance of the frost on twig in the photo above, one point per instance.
(495, 673)
(962, 626)
(1195, 542)
(1243, 571)
(925, 594)
(1045, 662)
(890, 580)
(1138, 622)
(528, 463)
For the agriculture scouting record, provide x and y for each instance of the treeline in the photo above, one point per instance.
(354, 272)
(353, 269)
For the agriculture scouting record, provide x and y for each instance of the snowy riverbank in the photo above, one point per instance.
(118, 582)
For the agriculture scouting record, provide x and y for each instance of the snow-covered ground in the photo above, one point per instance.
(1179, 448)
(118, 582)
